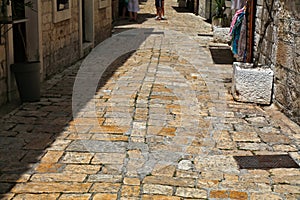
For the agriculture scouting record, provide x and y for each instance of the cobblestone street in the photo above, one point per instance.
(146, 115)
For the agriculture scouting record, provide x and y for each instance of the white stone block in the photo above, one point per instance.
(253, 85)
(221, 34)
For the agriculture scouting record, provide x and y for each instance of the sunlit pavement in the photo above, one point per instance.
(147, 115)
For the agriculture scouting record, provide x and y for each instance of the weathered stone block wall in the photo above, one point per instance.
(202, 8)
(103, 21)
(3, 74)
(195, 7)
(281, 50)
(60, 40)
(115, 9)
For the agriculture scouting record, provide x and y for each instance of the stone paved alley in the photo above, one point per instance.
(147, 115)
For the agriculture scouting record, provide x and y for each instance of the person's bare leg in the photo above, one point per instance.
(158, 13)
(135, 16)
(163, 9)
(124, 12)
(130, 15)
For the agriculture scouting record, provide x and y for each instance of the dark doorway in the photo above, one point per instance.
(19, 31)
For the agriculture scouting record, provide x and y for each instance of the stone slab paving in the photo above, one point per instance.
(147, 115)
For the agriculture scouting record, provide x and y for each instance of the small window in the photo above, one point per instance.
(61, 10)
(62, 5)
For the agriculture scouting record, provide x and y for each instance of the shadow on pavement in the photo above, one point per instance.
(221, 55)
(142, 17)
(28, 132)
(181, 9)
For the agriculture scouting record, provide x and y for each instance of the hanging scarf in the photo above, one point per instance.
(235, 17)
(236, 30)
(242, 43)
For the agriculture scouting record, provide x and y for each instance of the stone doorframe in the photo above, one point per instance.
(86, 24)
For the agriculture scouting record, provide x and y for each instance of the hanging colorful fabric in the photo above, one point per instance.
(235, 17)
(236, 33)
(242, 43)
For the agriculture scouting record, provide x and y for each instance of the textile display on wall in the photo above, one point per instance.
(238, 31)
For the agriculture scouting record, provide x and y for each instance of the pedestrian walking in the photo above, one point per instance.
(124, 5)
(160, 10)
(133, 8)
(163, 9)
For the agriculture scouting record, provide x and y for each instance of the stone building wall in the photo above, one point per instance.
(202, 8)
(281, 51)
(115, 9)
(103, 21)
(60, 39)
(3, 73)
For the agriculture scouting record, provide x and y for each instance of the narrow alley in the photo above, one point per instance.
(146, 115)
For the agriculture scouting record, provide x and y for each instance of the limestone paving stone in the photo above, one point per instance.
(245, 136)
(163, 170)
(185, 182)
(100, 196)
(108, 178)
(58, 177)
(105, 187)
(32, 156)
(75, 196)
(204, 183)
(77, 157)
(191, 192)
(52, 156)
(82, 169)
(285, 176)
(256, 196)
(157, 189)
(37, 196)
(11, 178)
(97, 146)
(49, 167)
(258, 176)
(292, 196)
(285, 148)
(222, 194)
(254, 146)
(42, 187)
(238, 195)
(59, 144)
(292, 189)
(112, 169)
(79, 136)
(108, 158)
(273, 138)
(159, 197)
(131, 181)
(185, 165)
(130, 191)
